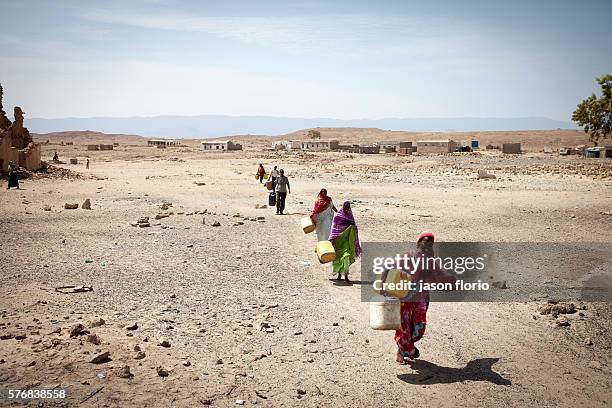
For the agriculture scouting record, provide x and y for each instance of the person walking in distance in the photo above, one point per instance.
(282, 188)
(261, 173)
(273, 176)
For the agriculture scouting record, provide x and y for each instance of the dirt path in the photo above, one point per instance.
(248, 311)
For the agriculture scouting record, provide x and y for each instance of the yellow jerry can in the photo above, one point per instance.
(325, 251)
(307, 225)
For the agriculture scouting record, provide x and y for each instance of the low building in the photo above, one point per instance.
(317, 145)
(287, 145)
(371, 149)
(511, 148)
(106, 147)
(93, 147)
(435, 146)
(365, 149)
(220, 145)
(391, 147)
(163, 142)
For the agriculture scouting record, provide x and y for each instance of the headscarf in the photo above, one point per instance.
(342, 220)
(321, 204)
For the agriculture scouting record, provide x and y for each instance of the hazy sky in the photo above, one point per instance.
(342, 59)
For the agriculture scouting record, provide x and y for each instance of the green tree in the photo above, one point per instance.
(595, 114)
(314, 134)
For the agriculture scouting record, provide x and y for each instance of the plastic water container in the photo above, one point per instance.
(307, 225)
(397, 277)
(385, 315)
(325, 251)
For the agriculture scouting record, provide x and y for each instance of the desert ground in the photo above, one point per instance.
(244, 313)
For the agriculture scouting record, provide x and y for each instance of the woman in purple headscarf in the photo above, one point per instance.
(345, 238)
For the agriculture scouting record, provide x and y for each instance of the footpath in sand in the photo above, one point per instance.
(208, 315)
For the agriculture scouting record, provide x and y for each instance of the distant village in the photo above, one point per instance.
(441, 146)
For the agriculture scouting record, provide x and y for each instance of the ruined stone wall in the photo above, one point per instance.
(16, 144)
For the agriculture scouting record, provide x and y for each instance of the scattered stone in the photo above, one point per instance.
(132, 327)
(588, 341)
(164, 343)
(86, 204)
(562, 322)
(78, 330)
(140, 355)
(186, 363)
(94, 339)
(301, 391)
(557, 308)
(32, 363)
(97, 323)
(260, 206)
(239, 402)
(165, 206)
(124, 372)
(101, 358)
(162, 372)
(499, 284)
(216, 224)
(483, 175)
(297, 333)
(219, 361)
(160, 216)
(47, 208)
(68, 206)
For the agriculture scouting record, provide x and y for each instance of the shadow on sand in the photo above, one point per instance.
(342, 282)
(476, 370)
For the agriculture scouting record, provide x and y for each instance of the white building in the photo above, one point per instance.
(163, 142)
(315, 145)
(220, 145)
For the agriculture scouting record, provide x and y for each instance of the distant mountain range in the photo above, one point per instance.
(207, 126)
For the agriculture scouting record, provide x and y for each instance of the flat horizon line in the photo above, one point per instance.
(302, 117)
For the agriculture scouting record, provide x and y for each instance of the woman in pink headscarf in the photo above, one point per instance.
(345, 238)
(413, 309)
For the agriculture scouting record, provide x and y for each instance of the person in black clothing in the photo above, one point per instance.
(13, 179)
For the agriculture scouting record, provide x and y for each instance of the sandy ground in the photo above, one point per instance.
(211, 292)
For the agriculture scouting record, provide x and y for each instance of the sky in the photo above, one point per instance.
(335, 59)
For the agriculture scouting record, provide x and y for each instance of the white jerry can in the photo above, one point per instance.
(385, 315)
